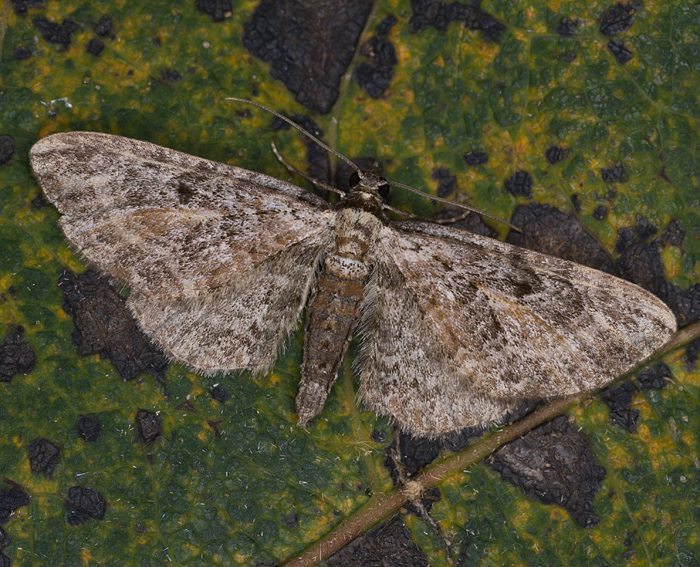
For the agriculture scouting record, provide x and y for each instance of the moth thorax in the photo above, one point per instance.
(357, 228)
(369, 194)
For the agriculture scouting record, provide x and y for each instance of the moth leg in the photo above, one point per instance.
(407, 216)
(414, 492)
(294, 171)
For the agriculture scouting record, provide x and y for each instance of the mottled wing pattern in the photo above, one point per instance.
(165, 222)
(243, 325)
(219, 259)
(478, 324)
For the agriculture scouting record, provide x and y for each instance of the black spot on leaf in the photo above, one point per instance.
(170, 75)
(390, 544)
(655, 377)
(618, 398)
(103, 27)
(519, 184)
(22, 6)
(39, 202)
(555, 464)
(104, 326)
(551, 231)
(219, 10)
(215, 425)
(639, 261)
(16, 356)
(447, 183)
(439, 15)
(374, 75)
(567, 26)
(618, 17)
(43, 456)
(379, 435)
(692, 353)
(569, 56)
(673, 234)
(576, 202)
(620, 51)
(219, 393)
(290, 520)
(21, 53)
(59, 34)
(95, 46)
(416, 452)
(88, 427)
(600, 212)
(309, 45)
(614, 174)
(475, 157)
(555, 154)
(186, 406)
(148, 425)
(11, 499)
(7, 148)
(84, 504)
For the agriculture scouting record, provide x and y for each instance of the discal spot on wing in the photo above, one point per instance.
(185, 192)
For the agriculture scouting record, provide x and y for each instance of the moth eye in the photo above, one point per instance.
(384, 189)
(354, 179)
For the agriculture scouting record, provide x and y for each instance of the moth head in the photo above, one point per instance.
(370, 183)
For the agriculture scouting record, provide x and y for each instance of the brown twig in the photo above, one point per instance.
(382, 506)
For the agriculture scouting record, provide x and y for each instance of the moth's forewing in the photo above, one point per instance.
(219, 259)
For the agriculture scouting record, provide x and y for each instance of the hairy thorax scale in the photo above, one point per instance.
(334, 307)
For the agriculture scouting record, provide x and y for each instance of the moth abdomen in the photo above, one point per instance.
(332, 314)
(334, 308)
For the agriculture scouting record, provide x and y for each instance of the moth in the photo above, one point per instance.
(455, 329)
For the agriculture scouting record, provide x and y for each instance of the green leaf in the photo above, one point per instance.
(239, 483)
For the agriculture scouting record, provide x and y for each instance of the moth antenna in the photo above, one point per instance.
(453, 204)
(354, 166)
(299, 128)
(400, 212)
(294, 170)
